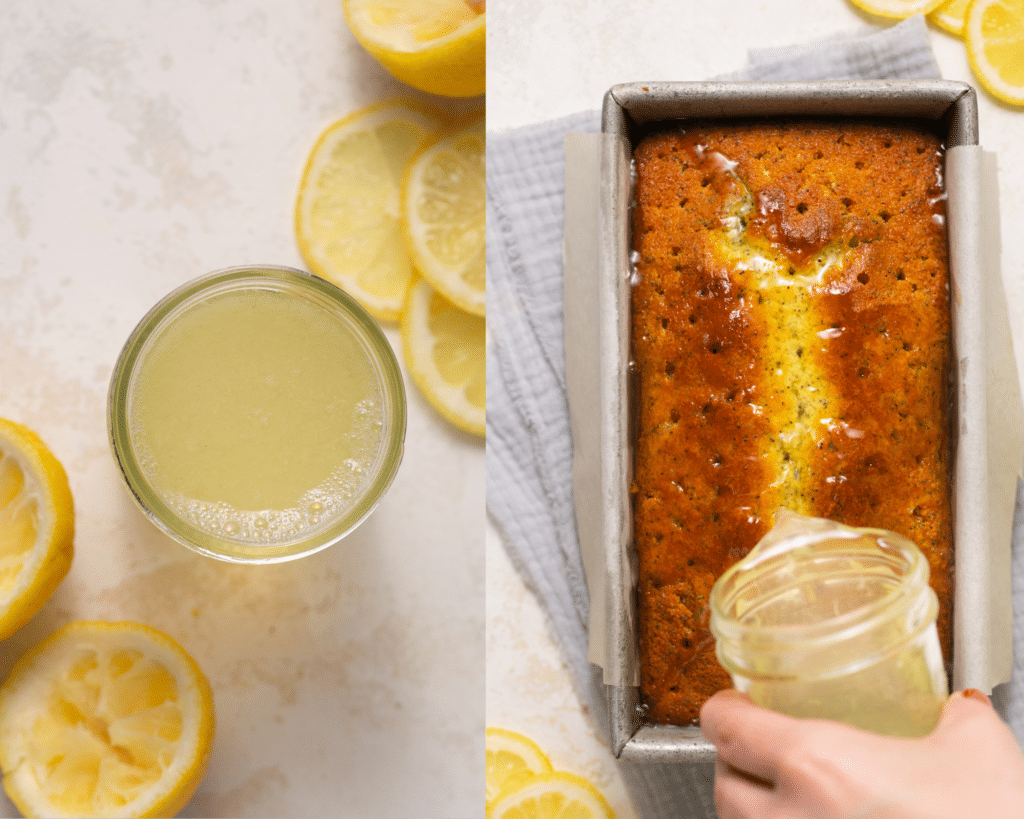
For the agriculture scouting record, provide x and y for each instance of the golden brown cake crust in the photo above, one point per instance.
(791, 337)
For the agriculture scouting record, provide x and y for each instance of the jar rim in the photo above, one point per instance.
(910, 596)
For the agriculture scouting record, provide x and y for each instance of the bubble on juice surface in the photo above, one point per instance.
(316, 510)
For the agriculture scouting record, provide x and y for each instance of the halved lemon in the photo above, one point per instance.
(897, 9)
(950, 15)
(444, 213)
(512, 760)
(37, 525)
(347, 217)
(994, 31)
(105, 719)
(554, 795)
(444, 349)
(437, 46)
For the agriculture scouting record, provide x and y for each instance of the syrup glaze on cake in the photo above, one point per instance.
(791, 333)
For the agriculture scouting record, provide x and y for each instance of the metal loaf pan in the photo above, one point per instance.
(628, 110)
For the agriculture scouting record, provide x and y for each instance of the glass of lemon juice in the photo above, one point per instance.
(257, 414)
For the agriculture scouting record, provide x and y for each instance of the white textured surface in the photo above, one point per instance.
(144, 144)
(560, 58)
(529, 688)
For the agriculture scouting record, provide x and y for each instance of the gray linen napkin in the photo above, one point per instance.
(529, 447)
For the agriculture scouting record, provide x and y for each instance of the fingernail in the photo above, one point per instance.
(975, 694)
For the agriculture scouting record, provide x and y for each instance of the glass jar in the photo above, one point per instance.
(257, 414)
(834, 622)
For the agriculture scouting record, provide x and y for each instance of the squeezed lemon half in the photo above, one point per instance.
(105, 719)
(512, 760)
(444, 349)
(37, 524)
(994, 31)
(436, 46)
(348, 212)
(444, 213)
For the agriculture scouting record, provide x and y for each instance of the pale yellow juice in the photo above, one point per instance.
(255, 418)
(256, 415)
(898, 696)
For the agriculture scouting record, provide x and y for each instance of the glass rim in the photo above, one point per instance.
(282, 279)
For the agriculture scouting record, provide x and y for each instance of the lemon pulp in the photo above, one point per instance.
(409, 26)
(445, 351)
(19, 520)
(950, 16)
(37, 524)
(436, 46)
(105, 719)
(511, 759)
(444, 211)
(347, 216)
(552, 795)
(257, 415)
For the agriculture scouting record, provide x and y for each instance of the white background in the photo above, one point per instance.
(144, 144)
(551, 59)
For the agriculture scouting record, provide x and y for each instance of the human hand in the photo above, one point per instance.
(772, 766)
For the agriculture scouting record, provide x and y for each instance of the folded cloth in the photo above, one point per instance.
(529, 447)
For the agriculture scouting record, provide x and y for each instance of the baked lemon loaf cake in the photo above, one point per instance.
(791, 334)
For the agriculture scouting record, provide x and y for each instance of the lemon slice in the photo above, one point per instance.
(950, 15)
(104, 719)
(897, 9)
(444, 350)
(554, 795)
(994, 30)
(433, 45)
(443, 211)
(347, 217)
(512, 760)
(37, 525)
